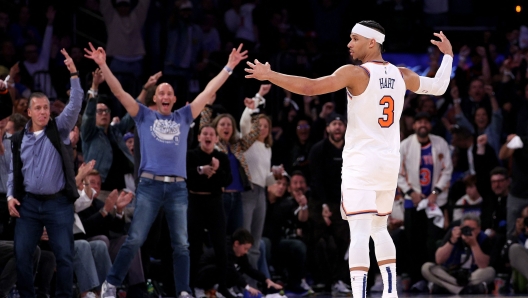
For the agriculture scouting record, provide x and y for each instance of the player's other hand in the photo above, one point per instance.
(258, 70)
(443, 45)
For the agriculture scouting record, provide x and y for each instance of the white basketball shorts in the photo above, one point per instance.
(359, 201)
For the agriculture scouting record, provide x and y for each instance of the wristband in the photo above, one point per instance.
(103, 211)
(228, 69)
(93, 92)
(74, 74)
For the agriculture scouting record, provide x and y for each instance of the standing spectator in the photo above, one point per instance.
(516, 147)
(208, 171)
(164, 141)
(462, 262)
(332, 233)
(239, 21)
(22, 32)
(38, 153)
(125, 41)
(425, 173)
(104, 142)
(258, 158)
(184, 44)
(234, 146)
(34, 70)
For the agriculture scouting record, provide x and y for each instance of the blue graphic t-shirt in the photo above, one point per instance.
(426, 170)
(163, 139)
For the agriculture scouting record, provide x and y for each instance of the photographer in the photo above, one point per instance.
(518, 251)
(462, 262)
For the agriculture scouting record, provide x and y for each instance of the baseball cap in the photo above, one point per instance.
(333, 117)
(127, 136)
(422, 115)
(285, 175)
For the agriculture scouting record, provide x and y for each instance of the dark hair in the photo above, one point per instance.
(18, 120)
(37, 95)
(376, 26)
(243, 236)
(298, 173)
(462, 132)
(149, 97)
(470, 180)
(499, 171)
(205, 126)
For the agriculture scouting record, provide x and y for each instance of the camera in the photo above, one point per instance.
(466, 231)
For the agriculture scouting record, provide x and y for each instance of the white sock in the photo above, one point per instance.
(359, 283)
(388, 274)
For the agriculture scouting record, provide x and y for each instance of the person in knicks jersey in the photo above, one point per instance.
(371, 156)
(162, 170)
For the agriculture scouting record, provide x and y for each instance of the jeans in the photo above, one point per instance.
(262, 261)
(233, 211)
(91, 263)
(151, 195)
(293, 257)
(254, 213)
(57, 216)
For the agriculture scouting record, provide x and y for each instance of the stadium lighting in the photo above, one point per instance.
(518, 8)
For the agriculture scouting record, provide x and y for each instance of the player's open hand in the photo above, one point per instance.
(258, 70)
(444, 45)
(236, 56)
(97, 55)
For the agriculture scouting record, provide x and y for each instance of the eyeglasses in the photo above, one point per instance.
(303, 126)
(103, 111)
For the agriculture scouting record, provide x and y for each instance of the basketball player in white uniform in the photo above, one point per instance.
(371, 157)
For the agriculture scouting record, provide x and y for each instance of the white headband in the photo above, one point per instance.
(369, 33)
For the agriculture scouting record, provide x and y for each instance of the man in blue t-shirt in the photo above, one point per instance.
(162, 170)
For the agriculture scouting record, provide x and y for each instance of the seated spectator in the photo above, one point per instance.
(8, 264)
(237, 265)
(494, 209)
(462, 262)
(104, 142)
(106, 221)
(285, 219)
(518, 251)
(471, 202)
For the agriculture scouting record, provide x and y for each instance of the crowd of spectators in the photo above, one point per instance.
(264, 165)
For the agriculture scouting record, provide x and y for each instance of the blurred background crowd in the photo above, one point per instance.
(470, 164)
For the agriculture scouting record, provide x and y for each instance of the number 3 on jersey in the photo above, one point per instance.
(388, 111)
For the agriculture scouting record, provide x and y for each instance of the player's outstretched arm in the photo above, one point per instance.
(437, 85)
(340, 79)
(198, 104)
(99, 56)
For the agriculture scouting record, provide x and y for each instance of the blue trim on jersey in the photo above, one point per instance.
(389, 277)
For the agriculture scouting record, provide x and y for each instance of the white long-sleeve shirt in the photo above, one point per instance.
(258, 156)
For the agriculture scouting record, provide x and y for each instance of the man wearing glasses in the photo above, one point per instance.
(104, 142)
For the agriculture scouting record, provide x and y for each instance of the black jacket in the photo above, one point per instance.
(65, 151)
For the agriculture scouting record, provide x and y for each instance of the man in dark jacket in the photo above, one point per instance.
(237, 265)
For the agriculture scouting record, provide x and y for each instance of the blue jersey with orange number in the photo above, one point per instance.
(426, 169)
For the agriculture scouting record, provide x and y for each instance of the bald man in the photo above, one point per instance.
(162, 171)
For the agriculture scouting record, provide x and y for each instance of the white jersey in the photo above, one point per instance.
(371, 156)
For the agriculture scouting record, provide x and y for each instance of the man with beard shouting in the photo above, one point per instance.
(331, 232)
(425, 173)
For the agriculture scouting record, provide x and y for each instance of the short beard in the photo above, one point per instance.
(356, 62)
(422, 134)
(334, 139)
